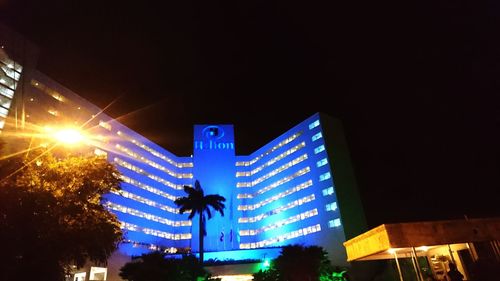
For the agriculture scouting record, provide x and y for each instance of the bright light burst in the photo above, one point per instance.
(69, 136)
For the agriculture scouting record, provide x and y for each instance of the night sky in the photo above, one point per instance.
(416, 84)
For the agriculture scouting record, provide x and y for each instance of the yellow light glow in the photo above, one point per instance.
(240, 277)
(391, 251)
(423, 248)
(69, 136)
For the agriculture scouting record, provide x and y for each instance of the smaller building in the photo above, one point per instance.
(425, 250)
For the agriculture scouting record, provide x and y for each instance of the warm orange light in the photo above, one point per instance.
(391, 251)
(69, 136)
(423, 248)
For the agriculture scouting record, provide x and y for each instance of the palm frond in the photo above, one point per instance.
(215, 198)
(209, 213)
(220, 210)
(190, 191)
(183, 209)
(182, 201)
(198, 188)
(191, 215)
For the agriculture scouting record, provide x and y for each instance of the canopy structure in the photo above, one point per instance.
(375, 243)
(440, 242)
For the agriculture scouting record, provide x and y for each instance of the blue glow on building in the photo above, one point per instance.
(283, 193)
(297, 189)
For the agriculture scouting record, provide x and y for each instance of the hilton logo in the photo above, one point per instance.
(212, 136)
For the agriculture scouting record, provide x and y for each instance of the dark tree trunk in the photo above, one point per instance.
(201, 239)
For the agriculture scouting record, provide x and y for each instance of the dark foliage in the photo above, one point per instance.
(197, 203)
(155, 267)
(51, 217)
(298, 263)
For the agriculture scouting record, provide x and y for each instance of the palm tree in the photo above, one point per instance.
(198, 203)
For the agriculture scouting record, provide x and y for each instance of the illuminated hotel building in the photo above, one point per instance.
(297, 189)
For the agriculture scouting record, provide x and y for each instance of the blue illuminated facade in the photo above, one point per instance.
(284, 193)
(297, 189)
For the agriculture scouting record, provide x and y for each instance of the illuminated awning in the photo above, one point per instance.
(375, 243)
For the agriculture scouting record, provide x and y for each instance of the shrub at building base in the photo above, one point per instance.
(299, 263)
(155, 267)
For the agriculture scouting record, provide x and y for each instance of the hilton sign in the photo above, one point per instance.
(212, 139)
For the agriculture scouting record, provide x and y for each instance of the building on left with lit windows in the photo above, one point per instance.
(152, 177)
(289, 191)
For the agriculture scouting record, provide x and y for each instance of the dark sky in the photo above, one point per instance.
(415, 83)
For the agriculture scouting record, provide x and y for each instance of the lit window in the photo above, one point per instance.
(100, 152)
(282, 143)
(57, 96)
(279, 182)
(6, 91)
(274, 198)
(317, 136)
(5, 102)
(278, 210)
(3, 112)
(334, 223)
(325, 176)
(331, 206)
(319, 149)
(322, 162)
(273, 172)
(272, 161)
(156, 153)
(314, 125)
(328, 191)
(280, 223)
(148, 216)
(154, 232)
(283, 237)
(98, 273)
(105, 125)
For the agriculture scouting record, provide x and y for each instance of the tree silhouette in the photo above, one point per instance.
(51, 216)
(197, 203)
(155, 267)
(298, 263)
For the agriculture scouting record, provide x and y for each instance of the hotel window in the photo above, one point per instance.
(3, 112)
(57, 96)
(282, 143)
(322, 162)
(53, 112)
(317, 136)
(334, 223)
(105, 125)
(325, 176)
(314, 125)
(9, 82)
(12, 65)
(100, 152)
(328, 191)
(5, 102)
(6, 91)
(331, 206)
(319, 149)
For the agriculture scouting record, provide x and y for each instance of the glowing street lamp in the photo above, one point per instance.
(69, 136)
(66, 136)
